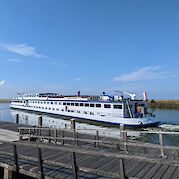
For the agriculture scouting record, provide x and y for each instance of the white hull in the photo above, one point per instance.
(107, 118)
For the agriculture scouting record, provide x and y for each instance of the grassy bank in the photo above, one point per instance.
(5, 100)
(164, 104)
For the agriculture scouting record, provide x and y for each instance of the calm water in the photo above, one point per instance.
(169, 118)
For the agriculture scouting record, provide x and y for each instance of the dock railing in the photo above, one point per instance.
(83, 137)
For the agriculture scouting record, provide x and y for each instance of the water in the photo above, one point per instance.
(169, 118)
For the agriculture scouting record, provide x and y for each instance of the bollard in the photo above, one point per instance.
(17, 119)
(40, 121)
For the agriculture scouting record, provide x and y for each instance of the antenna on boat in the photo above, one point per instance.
(129, 94)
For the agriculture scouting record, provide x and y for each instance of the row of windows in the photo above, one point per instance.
(85, 112)
(80, 104)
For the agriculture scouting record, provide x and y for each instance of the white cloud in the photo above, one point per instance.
(2, 82)
(21, 49)
(146, 73)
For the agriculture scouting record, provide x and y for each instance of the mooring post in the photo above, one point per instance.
(122, 169)
(74, 166)
(17, 119)
(97, 138)
(40, 121)
(15, 158)
(73, 127)
(161, 144)
(123, 136)
(40, 163)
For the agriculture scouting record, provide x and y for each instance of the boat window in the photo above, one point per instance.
(38, 102)
(49, 108)
(51, 102)
(60, 103)
(107, 106)
(72, 104)
(98, 105)
(41, 102)
(47, 102)
(76, 104)
(68, 104)
(64, 103)
(86, 104)
(117, 106)
(81, 104)
(91, 105)
(55, 102)
(44, 102)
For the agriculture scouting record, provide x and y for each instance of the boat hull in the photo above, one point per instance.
(128, 122)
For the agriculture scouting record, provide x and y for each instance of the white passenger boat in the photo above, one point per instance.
(107, 109)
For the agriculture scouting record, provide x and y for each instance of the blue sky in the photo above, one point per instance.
(89, 45)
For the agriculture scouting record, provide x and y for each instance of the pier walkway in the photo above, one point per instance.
(71, 153)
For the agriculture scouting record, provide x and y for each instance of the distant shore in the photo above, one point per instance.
(163, 104)
(5, 100)
(154, 103)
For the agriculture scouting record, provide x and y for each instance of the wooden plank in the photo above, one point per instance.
(131, 166)
(160, 172)
(143, 171)
(175, 174)
(168, 174)
(137, 169)
(152, 171)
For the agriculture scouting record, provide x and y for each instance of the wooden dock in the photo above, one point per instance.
(71, 153)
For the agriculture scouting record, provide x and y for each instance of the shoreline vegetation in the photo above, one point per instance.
(163, 104)
(153, 103)
(5, 100)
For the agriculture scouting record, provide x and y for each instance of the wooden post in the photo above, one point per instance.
(123, 136)
(40, 121)
(73, 127)
(40, 163)
(29, 135)
(15, 158)
(7, 173)
(161, 144)
(97, 139)
(55, 135)
(62, 135)
(39, 134)
(20, 134)
(122, 170)
(17, 119)
(49, 134)
(74, 166)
